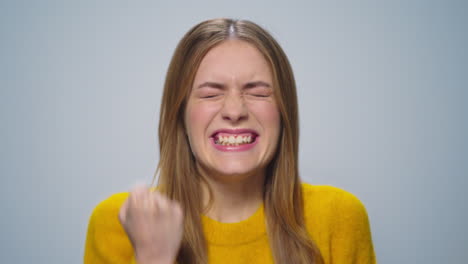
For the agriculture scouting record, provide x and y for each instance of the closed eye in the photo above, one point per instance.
(258, 89)
(209, 92)
(209, 96)
(259, 95)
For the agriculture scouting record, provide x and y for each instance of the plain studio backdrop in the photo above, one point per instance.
(382, 92)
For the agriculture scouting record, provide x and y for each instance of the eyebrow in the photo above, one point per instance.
(257, 83)
(222, 86)
(211, 84)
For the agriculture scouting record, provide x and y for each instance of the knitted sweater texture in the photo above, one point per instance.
(335, 219)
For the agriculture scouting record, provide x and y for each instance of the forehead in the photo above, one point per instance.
(233, 59)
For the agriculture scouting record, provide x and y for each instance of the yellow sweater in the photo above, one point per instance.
(336, 220)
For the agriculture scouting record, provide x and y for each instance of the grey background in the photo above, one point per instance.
(382, 90)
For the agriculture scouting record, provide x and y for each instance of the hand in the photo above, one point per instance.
(154, 225)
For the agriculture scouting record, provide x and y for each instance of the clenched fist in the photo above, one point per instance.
(154, 225)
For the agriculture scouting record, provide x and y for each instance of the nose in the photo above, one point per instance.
(234, 108)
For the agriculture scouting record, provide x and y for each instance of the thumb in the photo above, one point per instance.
(123, 212)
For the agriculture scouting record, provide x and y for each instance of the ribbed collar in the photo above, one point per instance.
(242, 232)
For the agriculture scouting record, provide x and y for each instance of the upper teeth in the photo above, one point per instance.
(234, 140)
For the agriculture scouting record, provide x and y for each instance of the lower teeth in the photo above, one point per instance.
(229, 144)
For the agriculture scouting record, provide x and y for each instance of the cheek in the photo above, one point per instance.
(198, 117)
(268, 114)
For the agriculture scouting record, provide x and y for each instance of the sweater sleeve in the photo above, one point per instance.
(351, 240)
(106, 240)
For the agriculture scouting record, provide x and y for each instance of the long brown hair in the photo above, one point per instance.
(178, 176)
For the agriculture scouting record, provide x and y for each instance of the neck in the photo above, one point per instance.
(234, 200)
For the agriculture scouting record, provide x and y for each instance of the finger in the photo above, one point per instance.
(147, 202)
(123, 212)
(176, 211)
(158, 205)
(139, 190)
(137, 195)
(163, 202)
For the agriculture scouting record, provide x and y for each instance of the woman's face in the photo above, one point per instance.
(232, 118)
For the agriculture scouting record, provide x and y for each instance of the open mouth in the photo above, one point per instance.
(234, 138)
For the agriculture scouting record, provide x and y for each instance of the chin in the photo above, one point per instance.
(235, 169)
(234, 173)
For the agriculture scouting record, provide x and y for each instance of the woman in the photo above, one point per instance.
(229, 189)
